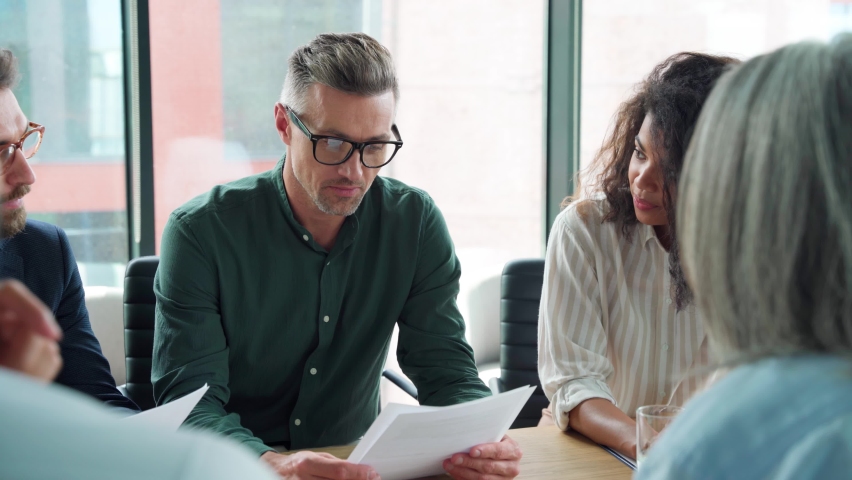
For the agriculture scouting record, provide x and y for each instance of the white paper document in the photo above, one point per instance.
(171, 415)
(413, 441)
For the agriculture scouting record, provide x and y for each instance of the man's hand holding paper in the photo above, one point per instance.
(487, 461)
(411, 442)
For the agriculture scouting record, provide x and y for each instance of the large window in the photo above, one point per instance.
(624, 39)
(70, 54)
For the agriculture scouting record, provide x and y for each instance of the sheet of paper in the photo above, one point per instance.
(411, 441)
(171, 415)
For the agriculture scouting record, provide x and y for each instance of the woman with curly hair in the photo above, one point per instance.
(616, 325)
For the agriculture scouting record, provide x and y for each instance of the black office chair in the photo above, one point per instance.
(520, 293)
(139, 302)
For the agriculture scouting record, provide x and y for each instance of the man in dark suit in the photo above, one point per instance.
(38, 254)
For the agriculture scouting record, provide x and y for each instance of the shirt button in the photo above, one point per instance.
(325, 319)
(313, 371)
(298, 422)
(668, 300)
(662, 395)
(665, 347)
(305, 238)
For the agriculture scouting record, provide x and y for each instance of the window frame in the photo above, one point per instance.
(139, 160)
(563, 48)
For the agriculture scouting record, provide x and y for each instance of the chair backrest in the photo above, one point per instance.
(139, 303)
(520, 293)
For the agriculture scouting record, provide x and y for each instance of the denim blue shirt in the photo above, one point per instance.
(782, 418)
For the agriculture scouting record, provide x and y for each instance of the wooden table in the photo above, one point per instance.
(550, 453)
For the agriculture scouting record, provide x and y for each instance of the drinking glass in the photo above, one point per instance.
(650, 421)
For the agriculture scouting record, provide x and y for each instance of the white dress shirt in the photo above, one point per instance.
(608, 327)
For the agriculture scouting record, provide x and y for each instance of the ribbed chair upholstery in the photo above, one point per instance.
(520, 293)
(139, 302)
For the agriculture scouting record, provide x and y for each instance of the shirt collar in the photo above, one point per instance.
(278, 181)
(350, 224)
(648, 234)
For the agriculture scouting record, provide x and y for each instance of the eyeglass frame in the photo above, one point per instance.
(19, 145)
(355, 145)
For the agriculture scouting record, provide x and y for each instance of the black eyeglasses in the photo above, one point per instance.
(334, 151)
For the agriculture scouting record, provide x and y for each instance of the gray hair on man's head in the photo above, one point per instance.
(8, 69)
(765, 205)
(350, 62)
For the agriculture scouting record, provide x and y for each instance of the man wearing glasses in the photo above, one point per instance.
(38, 254)
(281, 290)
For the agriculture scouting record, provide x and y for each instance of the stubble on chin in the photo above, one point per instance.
(331, 205)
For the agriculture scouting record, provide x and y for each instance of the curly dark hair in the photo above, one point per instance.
(8, 69)
(673, 94)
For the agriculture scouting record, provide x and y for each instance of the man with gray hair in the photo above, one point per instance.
(281, 290)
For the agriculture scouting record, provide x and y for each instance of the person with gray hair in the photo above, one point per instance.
(767, 250)
(281, 290)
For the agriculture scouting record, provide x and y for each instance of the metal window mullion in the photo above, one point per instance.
(562, 104)
(138, 129)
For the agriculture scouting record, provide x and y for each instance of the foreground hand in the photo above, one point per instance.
(28, 333)
(312, 465)
(486, 462)
(31, 354)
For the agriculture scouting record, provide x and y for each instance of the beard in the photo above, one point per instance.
(331, 204)
(15, 220)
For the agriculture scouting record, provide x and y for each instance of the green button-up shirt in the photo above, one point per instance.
(292, 338)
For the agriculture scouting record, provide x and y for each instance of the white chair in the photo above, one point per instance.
(106, 316)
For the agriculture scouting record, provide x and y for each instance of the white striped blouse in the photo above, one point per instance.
(608, 327)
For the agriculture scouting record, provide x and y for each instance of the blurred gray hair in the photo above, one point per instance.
(351, 62)
(765, 207)
(8, 69)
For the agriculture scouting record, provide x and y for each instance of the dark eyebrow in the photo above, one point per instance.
(641, 147)
(335, 133)
(379, 138)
